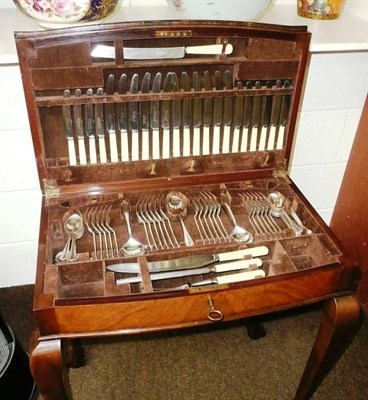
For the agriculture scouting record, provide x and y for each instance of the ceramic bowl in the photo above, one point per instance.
(67, 11)
(238, 10)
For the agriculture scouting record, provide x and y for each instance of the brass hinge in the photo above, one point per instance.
(280, 172)
(51, 189)
(182, 33)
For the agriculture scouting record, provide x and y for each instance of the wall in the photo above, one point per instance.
(336, 88)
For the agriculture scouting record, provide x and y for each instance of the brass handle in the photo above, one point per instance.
(214, 315)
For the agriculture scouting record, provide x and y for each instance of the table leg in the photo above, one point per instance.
(46, 364)
(340, 322)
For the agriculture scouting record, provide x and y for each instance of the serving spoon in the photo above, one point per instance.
(131, 247)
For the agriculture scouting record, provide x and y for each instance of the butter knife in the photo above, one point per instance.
(190, 262)
(90, 129)
(100, 128)
(134, 119)
(110, 119)
(122, 111)
(68, 130)
(197, 116)
(145, 117)
(218, 268)
(155, 117)
(165, 118)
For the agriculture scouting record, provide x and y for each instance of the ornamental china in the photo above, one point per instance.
(67, 11)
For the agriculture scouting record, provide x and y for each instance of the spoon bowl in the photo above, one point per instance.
(131, 247)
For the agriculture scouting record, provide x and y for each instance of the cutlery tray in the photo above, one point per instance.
(193, 147)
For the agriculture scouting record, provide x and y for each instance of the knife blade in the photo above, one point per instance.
(190, 262)
(176, 117)
(110, 119)
(207, 114)
(218, 103)
(197, 115)
(238, 118)
(155, 117)
(284, 114)
(68, 130)
(248, 106)
(145, 117)
(266, 118)
(275, 117)
(255, 119)
(90, 129)
(165, 118)
(226, 267)
(159, 53)
(187, 117)
(122, 111)
(228, 112)
(78, 127)
(100, 128)
(134, 118)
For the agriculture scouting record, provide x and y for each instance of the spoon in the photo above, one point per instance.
(177, 210)
(74, 229)
(239, 233)
(131, 247)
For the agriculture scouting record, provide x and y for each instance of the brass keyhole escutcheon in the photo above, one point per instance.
(214, 315)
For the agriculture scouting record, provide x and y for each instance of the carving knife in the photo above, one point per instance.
(256, 119)
(123, 118)
(228, 112)
(110, 119)
(68, 129)
(176, 117)
(207, 114)
(160, 53)
(90, 129)
(100, 128)
(144, 115)
(155, 117)
(218, 268)
(266, 117)
(275, 117)
(187, 117)
(165, 118)
(78, 127)
(248, 105)
(197, 115)
(217, 114)
(238, 118)
(190, 262)
(134, 118)
(284, 114)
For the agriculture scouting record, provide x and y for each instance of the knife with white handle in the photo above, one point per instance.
(284, 114)
(159, 53)
(226, 267)
(187, 117)
(144, 116)
(68, 129)
(232, 278)
(197, 116)
(275, 117)
(190, 262)
(266, 118)
(100, 128)
(110, 119)
(238, 119)
(134, 119)
(207, 114)
(248, 105)
(256, 119)
(78, 127)
(176, 118)
(155, 117)
(165, 118)
(123, 119)
(228, 112)
(90, 129)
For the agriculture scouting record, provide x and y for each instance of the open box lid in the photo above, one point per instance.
(229, 131)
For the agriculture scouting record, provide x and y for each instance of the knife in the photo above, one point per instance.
(207, 114)
(134, 119)
(90, 129)
(228, 112)
(78, 127)
(238, 118)
(110, 119)
(100, 129)
(159, 53)
(266, 117)
(176, 117)
(217, 114)
(284, 114)
(68, 129)
(275, 117)
(123, 118)
(165, 118)
(190, 262)
(226, 267)
(187, 117)
(248, 105)
(255, 119)
(144, 115)
(197, 116)
(231, 278)
(155, 117)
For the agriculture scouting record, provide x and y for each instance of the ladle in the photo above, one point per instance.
(239, 233)
(177, 210)
(131, 247)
